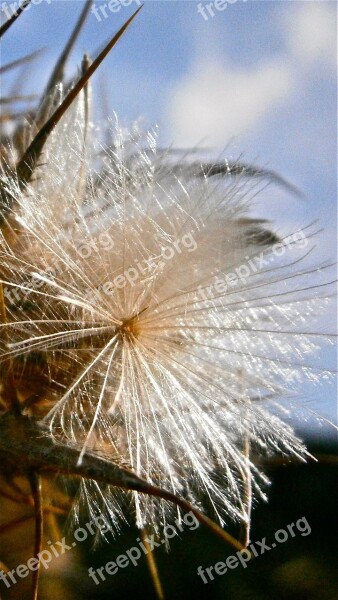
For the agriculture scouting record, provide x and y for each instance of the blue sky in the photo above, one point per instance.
(257, 78)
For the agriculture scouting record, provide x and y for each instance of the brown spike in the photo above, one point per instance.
(57, 74)
(17, 14)
(29, 160)
(86, 62)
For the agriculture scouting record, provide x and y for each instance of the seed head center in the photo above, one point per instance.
(130, 328)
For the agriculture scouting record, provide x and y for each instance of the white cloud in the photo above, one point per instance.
(215, 101)
(311, 31)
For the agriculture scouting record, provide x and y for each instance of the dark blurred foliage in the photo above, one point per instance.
(302, 568)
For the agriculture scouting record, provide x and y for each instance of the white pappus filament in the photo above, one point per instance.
(170, 323)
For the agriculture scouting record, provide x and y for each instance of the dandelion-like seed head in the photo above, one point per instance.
(169, 326)
(150, 322)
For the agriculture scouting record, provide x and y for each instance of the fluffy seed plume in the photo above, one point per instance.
(147, 320)
(161, 320)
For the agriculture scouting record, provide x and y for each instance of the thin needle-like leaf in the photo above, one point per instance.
(16, 14)
(11, 99)
(30, 158)
(58, 72)
(20, 61)
(9, 393)
(152, 566)
(35, 483)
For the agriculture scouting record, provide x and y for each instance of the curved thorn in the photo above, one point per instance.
(142, 486)
(238, 168)
(30, 441)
